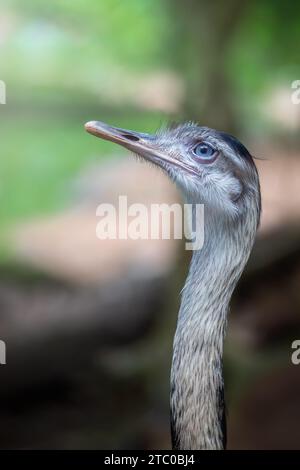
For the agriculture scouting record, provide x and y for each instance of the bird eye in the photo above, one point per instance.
(204, 151)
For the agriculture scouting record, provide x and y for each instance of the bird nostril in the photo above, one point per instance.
(130, 137)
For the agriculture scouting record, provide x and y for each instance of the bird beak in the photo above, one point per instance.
(142, 144)
(137, 142)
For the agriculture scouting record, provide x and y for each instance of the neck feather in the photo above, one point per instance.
(197, 389)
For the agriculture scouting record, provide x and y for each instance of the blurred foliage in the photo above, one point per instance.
(83, 43)
(59, 60)
(231, 57)
(66, 62)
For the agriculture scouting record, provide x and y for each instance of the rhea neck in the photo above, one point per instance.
(197, 389)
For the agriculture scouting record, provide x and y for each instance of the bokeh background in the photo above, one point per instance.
(89, 324)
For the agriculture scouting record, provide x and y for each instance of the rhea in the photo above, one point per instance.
(214, 169)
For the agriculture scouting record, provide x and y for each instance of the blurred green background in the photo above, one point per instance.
(138, 64)
(66, 62)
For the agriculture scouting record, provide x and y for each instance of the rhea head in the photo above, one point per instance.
(209, 166)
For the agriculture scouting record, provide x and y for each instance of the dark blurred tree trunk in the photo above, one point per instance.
(203, 33)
